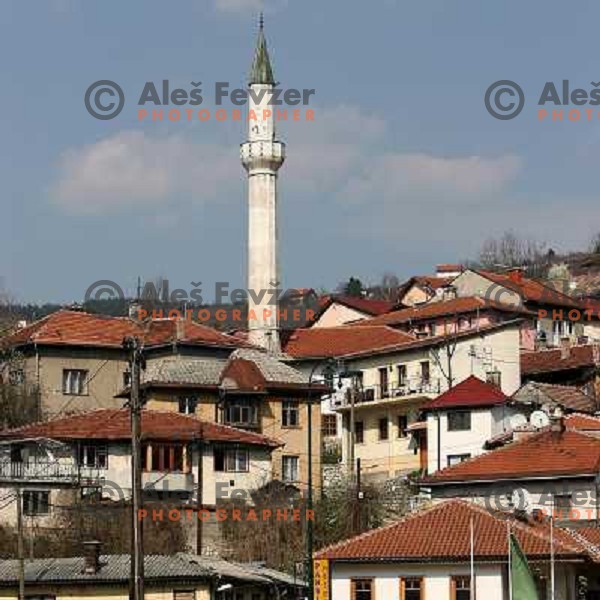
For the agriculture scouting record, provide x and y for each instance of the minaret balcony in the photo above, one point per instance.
(262, 154)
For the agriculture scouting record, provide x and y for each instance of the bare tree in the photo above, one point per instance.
(510, 250)
(443, 353)
(387, 289)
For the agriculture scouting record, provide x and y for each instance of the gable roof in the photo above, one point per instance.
(561, 359)
(443, 308)
(417, 538)
(115, 424)
(557, 454)
(581, 422)
(471, 392)
(369, 306)
(322, 342)
(531, 290)
(76, 328)
(567, 396)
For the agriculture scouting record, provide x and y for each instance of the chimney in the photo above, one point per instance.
(523, 433)
(516, 274)
(135, 311)
(565, 349)
(91, 555)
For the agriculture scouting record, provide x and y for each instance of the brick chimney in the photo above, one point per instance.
(91, 555)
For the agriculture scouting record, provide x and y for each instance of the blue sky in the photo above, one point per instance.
(402, 169)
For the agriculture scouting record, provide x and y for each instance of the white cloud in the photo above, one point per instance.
(132, 170)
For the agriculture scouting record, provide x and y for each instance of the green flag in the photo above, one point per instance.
(523, 583)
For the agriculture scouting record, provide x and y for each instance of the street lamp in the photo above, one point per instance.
(329, 367)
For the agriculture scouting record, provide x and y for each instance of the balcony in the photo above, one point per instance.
(48, 471)
(376, 393)
(169, 481)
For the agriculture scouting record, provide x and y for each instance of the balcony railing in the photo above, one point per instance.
(48, 471)
(410, 387)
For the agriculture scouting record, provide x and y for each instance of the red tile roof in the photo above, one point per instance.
(418, 537)
(529, 289)
(369, 306)
(433, 310)
(556, 454)
(580, 422)
(561, 359)
(67, 327)
(430, 281)
(115, 424)
(320, 342)
(471, 392)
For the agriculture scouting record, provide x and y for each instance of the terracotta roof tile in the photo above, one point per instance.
(67, 327)
(370, 306)
(561, 359)
(569, 397)
(581, 422)
(320, 342)
(115, 424)
(472, 392)
(417, 537)
(433, 310)
(556, 454)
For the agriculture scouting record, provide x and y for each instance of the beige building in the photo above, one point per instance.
(392, 381)
(74, 361)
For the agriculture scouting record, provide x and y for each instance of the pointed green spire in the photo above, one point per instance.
(261, 71)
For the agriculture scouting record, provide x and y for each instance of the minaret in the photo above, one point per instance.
(262, 156)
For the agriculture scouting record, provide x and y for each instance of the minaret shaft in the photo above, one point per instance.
(262, 156)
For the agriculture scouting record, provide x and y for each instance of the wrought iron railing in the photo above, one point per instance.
(48, 471)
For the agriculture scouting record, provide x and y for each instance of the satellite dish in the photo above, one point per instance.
(539, 419)
(517, 421)
(521, 499)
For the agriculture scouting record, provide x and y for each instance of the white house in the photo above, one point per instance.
(91, 453)
(461, 420)
(428, 555)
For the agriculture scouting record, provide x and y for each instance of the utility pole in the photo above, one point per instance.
(358, 525)
(132, 344)
(20, 544)
(200, 491)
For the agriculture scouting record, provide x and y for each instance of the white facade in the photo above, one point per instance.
(490, 580)
(457, 445)
(339, 314)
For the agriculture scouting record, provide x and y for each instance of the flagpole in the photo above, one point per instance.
(552, 586)
(510, 590)
(472, 561)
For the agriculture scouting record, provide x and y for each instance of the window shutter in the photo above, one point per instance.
(452, 588)
(423, 590)
(402, 589)
(353, 589)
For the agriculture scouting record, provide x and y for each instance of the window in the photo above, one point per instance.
(126, 378)
(164, 457)
(241, 412)
(454, 459)
(362, 589)
(562, 506)
(94, 456)
(383, 429)
(359, 432)
(289, 469)
(329, 425)
(494, 377)
(16, 376)
(231, 460)
(411, 588)
(402, 375)
(383, 382)
(36, 503)
(425, 371)
(188, 404)
(290, 413)
(184, 594)
(402, 425)
(460, 588)
(459, 420)
(75, 382)
(40, 597)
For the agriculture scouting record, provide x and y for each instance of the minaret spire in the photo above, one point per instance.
(261, 71)
(262, 156)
